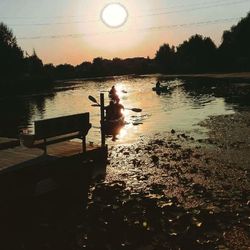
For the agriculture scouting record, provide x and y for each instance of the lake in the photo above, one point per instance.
(187, 103)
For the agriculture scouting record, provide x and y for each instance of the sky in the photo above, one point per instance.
(71, 31)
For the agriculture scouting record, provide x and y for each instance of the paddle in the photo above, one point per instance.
(135, 109)
(123, 91)
(132, 109)
(91, 98)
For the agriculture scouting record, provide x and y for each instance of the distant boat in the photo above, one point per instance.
(161, 89)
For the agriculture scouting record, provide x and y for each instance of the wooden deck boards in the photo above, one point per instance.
(21, 156)
(18, 155)
(8, 143)
(65, 149)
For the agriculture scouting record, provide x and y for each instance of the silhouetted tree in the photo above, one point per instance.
(98, 66)
(165, 58)
(117, 66)
(64, 71)
(33, 65)
(49, 70)
(11, 56)
(198, 54)
(235, 50)
(84, 69)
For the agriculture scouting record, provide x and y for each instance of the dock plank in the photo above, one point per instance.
(18, 155)
(65, 149)
(21, 156)
(8, 143)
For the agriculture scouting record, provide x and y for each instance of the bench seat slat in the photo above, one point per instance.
(59, 129)
(57, 139)
(62, 125)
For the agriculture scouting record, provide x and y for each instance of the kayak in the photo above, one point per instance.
(111, 127)
(161, 89)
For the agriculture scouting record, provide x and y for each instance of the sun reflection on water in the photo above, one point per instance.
(120, 89)
(123, 132)
(180, 109)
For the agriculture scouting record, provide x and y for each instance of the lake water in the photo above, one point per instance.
(182, 108)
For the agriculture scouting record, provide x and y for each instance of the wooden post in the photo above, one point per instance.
(45, 146)
(102, 107)
(83, 143)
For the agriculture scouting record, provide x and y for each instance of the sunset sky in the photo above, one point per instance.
(64, 31)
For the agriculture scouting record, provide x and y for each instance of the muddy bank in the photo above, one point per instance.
(231, 136)
(170, 191)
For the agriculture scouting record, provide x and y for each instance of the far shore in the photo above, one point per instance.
(236, 75)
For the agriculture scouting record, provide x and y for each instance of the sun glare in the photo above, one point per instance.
(119, 89)
(114, 15)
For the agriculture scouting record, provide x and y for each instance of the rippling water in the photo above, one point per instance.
(182, 108)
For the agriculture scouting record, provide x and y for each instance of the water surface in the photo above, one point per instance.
(182, 108)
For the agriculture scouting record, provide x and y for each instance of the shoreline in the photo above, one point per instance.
(165, 191)
(29, 88)
(234, 75)
(176, 191)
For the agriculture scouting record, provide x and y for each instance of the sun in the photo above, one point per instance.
(114, 15)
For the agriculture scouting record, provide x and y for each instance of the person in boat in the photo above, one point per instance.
(118, 109)
(113, 94)
(110, 111)
(113, 114)
(158, 84)
(114, 110)
(113, 91)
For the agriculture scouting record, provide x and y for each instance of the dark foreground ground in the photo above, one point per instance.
(170, 191)
(174, 192)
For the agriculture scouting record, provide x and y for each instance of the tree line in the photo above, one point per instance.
(198, 54)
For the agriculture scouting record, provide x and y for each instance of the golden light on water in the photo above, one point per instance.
(120, 89)
(123, 133)
(114, 15)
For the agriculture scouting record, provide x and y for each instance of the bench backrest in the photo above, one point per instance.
(53, 127)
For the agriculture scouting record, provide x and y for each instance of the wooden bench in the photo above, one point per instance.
(59, 129)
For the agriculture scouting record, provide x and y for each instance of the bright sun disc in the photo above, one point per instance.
(114, 15)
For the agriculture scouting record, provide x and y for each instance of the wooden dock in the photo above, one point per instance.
(23, 169)
(50, 156)
(18, 157)
(8, 143)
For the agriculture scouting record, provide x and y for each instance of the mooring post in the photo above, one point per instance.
(102, 107)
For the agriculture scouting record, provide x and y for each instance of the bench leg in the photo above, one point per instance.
(45, 146)
(83, 144)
